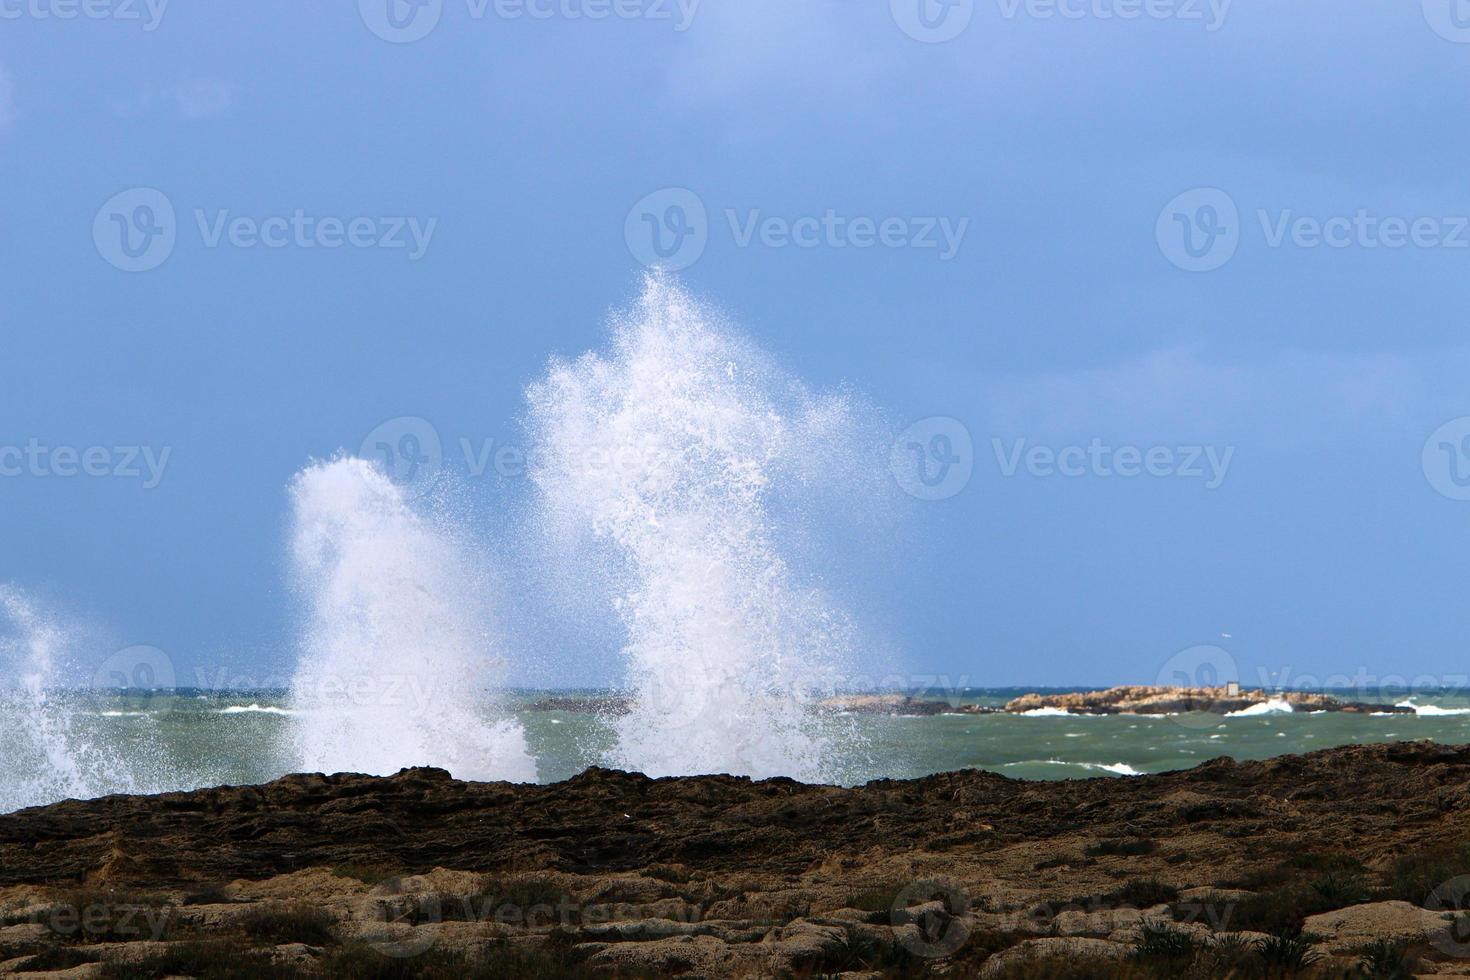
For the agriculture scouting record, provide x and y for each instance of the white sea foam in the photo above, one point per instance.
(1116, 768)
(1275, 706)
(1431, 710)
(399, 666)
(254, 709)
(659, 461)
(1048, 713)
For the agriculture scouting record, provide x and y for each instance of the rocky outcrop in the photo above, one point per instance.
(717, 876)
(1035, 953)
(613, 705)
(1152, 700)
(1380, 922)
(898, 704)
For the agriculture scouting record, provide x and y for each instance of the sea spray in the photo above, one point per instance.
(399, 664)
(35, 748)
(659, 463)
(50, 748)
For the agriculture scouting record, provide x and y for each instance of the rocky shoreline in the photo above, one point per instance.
(1322, 862)
(1160, 700)
(1127, 699)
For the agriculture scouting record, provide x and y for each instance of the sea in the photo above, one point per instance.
(120, 742)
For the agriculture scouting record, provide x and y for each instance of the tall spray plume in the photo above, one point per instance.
(399, 663)
(661, 463)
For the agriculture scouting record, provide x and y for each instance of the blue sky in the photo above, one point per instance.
(1062, 317)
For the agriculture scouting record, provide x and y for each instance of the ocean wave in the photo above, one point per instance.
(1049, 713)
(1431, 710)
(1116, 768)
(254, 709)
(1275, 706)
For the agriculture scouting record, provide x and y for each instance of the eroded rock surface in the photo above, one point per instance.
(611, 873)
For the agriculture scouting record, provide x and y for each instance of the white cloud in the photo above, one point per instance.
(794, 52)
(203, 98)
(192, 98)
(1179, 394)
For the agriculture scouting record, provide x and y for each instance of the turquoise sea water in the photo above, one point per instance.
(186, 740)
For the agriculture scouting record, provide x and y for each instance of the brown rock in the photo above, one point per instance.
(1055, 948)
(1352, 928)
(1156, 700)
